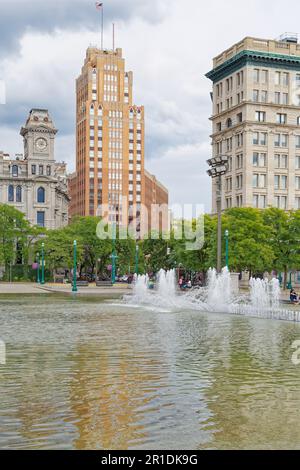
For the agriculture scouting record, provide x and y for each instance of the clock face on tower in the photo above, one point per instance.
(41, 144)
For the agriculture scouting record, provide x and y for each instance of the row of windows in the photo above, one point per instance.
(258, 138)
(260, 202)
(15, 194)
(34, 169)
(260, 181)
(280, 78)
(229, 84)
(260, 160)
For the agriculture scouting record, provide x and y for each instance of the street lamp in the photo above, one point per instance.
(137, 259)
(74, 287)
(38, 260)
(218, 168)
(114, 255)
(227, 248)
(43, 264)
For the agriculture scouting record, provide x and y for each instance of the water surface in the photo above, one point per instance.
(99, 375)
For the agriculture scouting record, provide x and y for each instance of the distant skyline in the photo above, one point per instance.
(169, 46)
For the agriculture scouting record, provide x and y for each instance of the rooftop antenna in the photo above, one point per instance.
(113, 37)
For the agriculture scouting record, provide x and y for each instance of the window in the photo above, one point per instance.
(281, 140)
(298, 121)
(297, 182)
(255, 95)
(239, 161)
(260, 116)
(264, 76)
(259, 159)
(239, 182)
(280, 202)
(228, 184)
(259, 201)
(263, 138)
(40, 219)
(229, 202)
(297, 203)
(240, 117)
(277, 97)
(285, 98)
(260, 138)
(264, 96)
(280, 182)
(41, 170)
(41, 195)
(11, 193)
(33, 169)
(255, 138)
(281, 118)
(259, 181)
(15, 171)
(277, 78)
(239, 201)
(229, 122)
(48, 170)
(297, 162)
(280, 161)
(285, 79)
(297, 141)
(256, 75)
(19, 194)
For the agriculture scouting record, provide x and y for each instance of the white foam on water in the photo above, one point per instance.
(263, 300)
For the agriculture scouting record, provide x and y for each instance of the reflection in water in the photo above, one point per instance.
(102, 376)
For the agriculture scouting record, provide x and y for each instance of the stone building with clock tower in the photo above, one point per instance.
(34, 183)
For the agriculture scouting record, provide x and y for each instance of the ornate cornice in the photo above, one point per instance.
(40, 130)
(264, 59)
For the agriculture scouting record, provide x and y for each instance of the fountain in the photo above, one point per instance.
(263, 300)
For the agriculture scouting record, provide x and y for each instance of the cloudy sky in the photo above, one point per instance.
(168, 44)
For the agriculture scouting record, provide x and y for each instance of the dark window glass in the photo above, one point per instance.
(15, 170)
(41, 170)
(48, 170)
(19, 194)
(33, 169)
(40, 219)
(41, 195)
(11, 193)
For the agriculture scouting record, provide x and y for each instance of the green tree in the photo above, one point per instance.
(284, 238)
(14, 233)
(249, 246)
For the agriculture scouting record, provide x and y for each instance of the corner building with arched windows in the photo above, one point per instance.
(34, 183)
(256, 123)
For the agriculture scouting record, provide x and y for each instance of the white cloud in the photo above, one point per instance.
(169, 58)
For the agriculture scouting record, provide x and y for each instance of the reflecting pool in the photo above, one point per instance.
(107, 375)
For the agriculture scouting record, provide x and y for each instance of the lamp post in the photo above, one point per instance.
(218, 168)
(227, 248)
(137, 259)
(113, 256)
(43, 264)
(74, 287)
(38, 268)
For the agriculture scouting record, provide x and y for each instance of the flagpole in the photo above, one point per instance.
(102, 26)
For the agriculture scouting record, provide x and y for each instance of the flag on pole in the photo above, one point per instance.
(99, 5)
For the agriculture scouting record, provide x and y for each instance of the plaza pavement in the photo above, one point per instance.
(65, 289)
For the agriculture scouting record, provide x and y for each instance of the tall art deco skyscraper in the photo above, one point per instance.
(109, 140)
